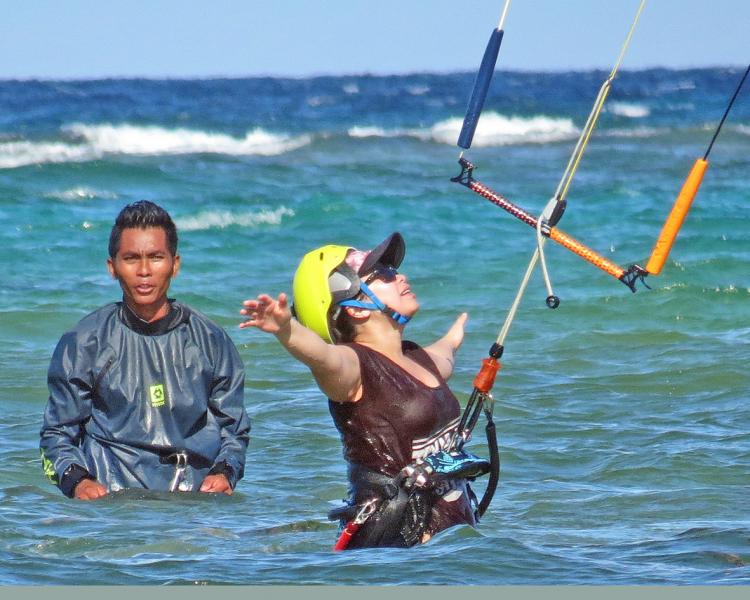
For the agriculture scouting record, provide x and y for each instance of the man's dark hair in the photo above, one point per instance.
(141, 215)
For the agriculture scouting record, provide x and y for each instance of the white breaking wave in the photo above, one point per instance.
(418, 90)
(371, 131)
(495, 129)
(81, 193)
(224, 218)
(136, 139)
(743, 129)
(96, 141)
(315, 101)
(627, 109)
(636, 132)
(20, 154)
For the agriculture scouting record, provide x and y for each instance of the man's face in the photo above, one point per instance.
(144, 266)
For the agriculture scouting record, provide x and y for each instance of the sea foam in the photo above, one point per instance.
(495, 129)
(418, 90)
(627, 109)
(136, 139)
(222, 218)
(81, 193)
(635, 132)
(364, 131)
(91, 142)
(20, 154)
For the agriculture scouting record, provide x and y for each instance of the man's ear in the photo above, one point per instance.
(111, 267)
(176, 265)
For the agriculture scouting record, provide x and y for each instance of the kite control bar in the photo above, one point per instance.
(628, 276)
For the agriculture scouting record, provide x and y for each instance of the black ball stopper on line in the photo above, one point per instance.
(553, 301)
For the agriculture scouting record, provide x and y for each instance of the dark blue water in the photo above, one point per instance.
(623, 418)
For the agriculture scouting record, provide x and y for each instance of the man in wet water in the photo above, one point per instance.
(147, 392)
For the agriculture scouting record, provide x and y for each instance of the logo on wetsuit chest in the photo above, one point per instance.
(158, 395)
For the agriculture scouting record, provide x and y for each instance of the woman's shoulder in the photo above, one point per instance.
(418, 354)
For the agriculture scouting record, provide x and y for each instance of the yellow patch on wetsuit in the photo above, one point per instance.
(158, 395)
(48, 468)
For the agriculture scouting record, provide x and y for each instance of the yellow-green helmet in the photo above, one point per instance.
(321, 280)
(324, 279)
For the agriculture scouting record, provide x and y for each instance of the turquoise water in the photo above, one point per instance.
(623, 421)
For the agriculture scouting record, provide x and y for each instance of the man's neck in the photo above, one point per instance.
(149, 314)
(176, 314)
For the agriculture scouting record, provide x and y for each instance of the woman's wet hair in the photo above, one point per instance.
(341, 325)
(342, 328)
(142, 215)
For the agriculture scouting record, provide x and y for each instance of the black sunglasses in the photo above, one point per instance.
(384, 272)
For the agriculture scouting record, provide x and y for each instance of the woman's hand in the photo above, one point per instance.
(455, 335)
(443, 351)
(267, 314)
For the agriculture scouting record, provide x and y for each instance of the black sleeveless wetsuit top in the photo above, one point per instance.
(399, 419)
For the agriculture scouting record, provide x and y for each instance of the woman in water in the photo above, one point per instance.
(388, 396)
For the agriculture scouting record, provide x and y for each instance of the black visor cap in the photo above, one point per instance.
(389, 252)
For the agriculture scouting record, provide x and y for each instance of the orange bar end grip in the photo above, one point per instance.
(676, 217)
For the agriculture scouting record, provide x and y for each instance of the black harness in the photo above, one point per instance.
(400, 519)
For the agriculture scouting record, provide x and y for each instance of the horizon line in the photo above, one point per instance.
(373, 74)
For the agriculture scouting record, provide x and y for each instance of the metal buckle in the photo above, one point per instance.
(181, 462)
(368, 508)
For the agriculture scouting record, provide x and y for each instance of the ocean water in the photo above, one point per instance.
(623, 418)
